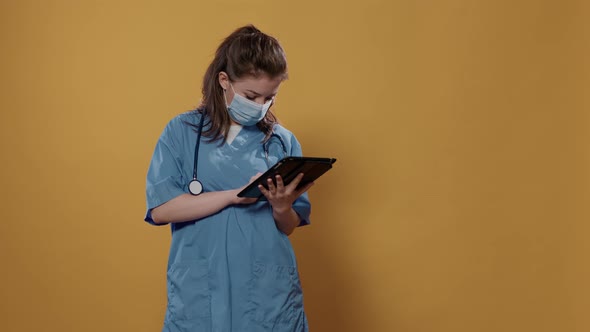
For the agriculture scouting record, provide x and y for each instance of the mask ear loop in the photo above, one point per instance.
(225, 99)
(225, 96)
(195, 187)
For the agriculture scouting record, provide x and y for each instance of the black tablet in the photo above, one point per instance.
(289, 167)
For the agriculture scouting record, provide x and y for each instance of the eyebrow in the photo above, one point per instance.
(258, 94)
(254, 92)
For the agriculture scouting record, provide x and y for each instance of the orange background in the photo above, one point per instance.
(459, 202)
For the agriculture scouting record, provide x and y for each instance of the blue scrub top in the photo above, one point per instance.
(233, 270)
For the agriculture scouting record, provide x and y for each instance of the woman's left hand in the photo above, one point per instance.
(281, 197)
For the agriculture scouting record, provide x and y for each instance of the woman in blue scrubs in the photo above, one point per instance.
(231, 265)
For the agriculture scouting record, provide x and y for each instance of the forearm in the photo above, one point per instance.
(286, 220)
(187, 207)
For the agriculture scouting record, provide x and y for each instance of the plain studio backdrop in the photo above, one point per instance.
(459, 202)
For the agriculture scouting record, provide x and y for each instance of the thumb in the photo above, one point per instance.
(255, 177)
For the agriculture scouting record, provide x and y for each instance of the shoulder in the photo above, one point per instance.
(183, 121)
(180, 125)
(282, 131)
(288, 138)
(189, 118)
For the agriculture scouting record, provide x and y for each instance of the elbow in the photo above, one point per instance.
(158, 217)
(287, 230)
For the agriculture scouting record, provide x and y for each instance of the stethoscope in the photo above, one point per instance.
(195, 187)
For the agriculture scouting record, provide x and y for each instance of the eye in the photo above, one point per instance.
(250, 97)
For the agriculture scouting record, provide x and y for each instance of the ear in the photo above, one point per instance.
(223, 79)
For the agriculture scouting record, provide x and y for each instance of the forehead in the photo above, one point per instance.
(262, 84)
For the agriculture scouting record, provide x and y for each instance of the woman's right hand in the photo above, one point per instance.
(246, 200)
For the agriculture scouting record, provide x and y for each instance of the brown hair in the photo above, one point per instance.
(247, 51)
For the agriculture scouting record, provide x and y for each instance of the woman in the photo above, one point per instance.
(231, 265)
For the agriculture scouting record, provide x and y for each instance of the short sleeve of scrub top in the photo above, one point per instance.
(164, 179)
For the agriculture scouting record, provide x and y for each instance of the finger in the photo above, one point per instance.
(280, 184)
(293, 184)
(271, 185)
(247, 200)
(305, 188)
(263, 190)
(255, 177)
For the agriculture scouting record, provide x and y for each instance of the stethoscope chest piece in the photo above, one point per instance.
(195, 187)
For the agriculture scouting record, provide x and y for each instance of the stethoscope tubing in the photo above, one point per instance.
(199, 133)
(195, 186)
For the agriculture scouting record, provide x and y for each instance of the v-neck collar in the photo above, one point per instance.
(246, 136)
(233, 132)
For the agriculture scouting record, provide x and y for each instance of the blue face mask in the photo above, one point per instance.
(246, 112)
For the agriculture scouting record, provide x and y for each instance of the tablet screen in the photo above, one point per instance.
(289, 167)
